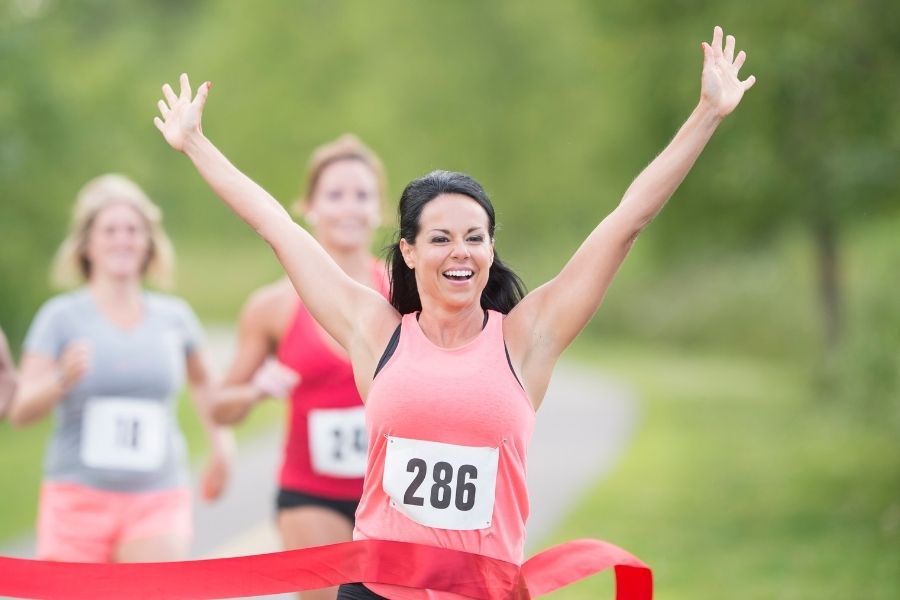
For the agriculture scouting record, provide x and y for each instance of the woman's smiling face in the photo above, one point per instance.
(452, 253)
(345, 207)
(118, 243)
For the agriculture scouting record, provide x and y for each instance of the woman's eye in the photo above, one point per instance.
(439, 240)
(477, 239)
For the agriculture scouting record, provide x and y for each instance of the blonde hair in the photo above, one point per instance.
(71, 265)
(346, 147)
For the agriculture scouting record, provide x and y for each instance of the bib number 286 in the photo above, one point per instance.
(441, 490)
(445, 486)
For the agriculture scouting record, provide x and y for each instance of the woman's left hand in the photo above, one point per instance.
(720, 85)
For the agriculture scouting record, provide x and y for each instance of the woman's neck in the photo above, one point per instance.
(119, 300)
(357, 263)
(451, 328)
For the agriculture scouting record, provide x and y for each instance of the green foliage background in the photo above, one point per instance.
(553, 106)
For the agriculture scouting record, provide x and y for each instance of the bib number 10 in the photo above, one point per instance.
(124, 433)
(445, 486)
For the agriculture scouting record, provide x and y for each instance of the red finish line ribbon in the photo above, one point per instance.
(373, 561)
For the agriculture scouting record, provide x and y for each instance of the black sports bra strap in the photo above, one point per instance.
(395, 340)
(389, 351)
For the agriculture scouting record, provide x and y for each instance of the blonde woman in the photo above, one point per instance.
(283, 353)
(109, 359)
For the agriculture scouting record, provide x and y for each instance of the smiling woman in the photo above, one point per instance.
(461, 360)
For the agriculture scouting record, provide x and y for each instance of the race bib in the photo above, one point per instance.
(123, 433)
(338, 442)
(444, 486)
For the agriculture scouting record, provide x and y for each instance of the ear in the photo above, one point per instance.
(310, 216)
(409, 253)
(492, 250)
(303, 208)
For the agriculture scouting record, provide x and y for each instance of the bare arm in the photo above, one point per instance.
(8, 377)
(43, 382)
(263, 319)
(341, 305)
(220, 440)
(549, 318)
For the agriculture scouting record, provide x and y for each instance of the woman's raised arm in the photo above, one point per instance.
(339, 303)
(550, 317)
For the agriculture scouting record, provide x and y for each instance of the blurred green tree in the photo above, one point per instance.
(553, 106)
(815, 144)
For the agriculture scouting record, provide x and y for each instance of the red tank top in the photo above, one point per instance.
(325, 446)
(448, 432)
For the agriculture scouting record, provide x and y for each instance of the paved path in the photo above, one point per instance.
(582, 428)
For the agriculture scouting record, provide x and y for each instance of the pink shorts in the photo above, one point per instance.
(82, 524)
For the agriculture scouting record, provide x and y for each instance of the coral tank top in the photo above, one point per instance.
(448, 433)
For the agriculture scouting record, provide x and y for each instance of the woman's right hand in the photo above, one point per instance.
(275, 380)
(181, 115)
(74, 363)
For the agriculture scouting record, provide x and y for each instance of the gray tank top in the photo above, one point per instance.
(116, 430)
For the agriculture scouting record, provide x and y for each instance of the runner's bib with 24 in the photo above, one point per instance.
(439, 485)
(338, 441)
(123, 433)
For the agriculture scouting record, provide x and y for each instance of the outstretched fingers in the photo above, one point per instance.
(185, 87)
(729, 48)
(202, 94)
(179, 116)
(167, 91)
(739, 60)
(748, 83)
(717, 42)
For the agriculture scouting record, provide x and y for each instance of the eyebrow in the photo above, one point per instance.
(447, 231)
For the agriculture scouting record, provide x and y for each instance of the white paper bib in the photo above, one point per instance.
(338, 442)
(123, 433)
(439, 485)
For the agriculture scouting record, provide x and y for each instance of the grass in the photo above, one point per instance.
(20, 468)
(742, 484)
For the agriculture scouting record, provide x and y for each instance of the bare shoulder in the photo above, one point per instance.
(521, 329)
(532, 349)
(269, 308)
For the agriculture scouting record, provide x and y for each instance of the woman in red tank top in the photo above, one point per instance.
(449, 424)
(283, 353)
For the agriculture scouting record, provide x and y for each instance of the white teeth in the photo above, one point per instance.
(458, 273)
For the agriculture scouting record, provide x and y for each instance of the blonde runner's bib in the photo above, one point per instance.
(124, 433)
(338, 442)
(439, 485)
